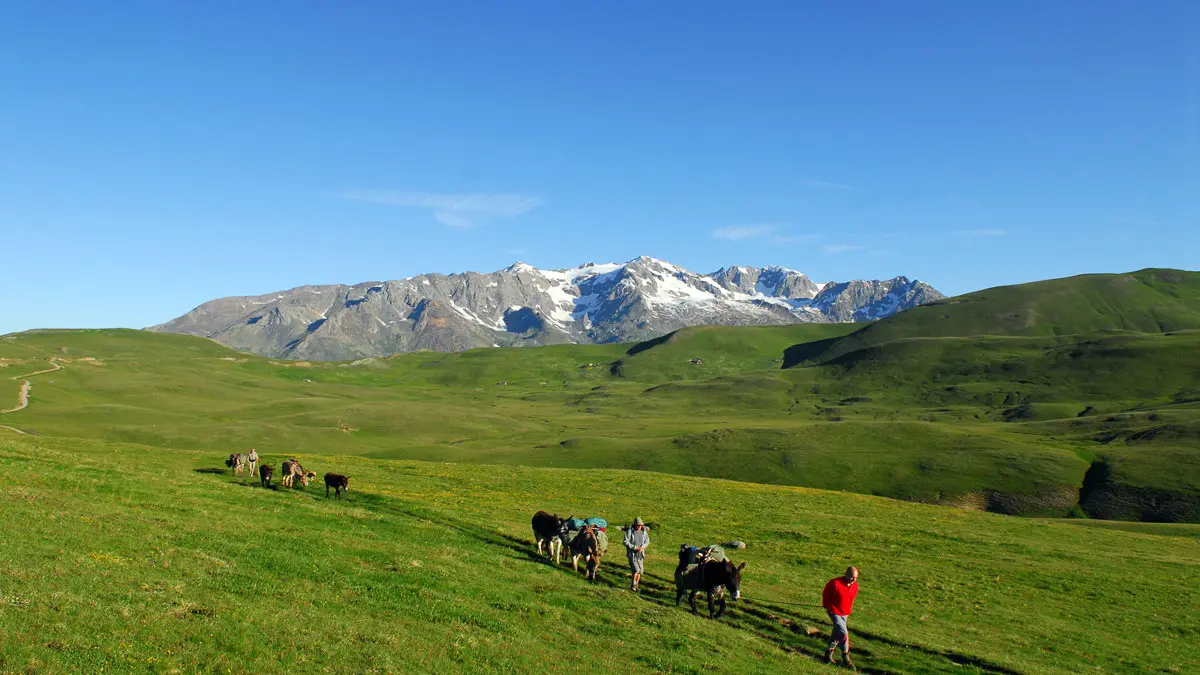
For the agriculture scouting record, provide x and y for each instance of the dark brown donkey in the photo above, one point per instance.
(264, 475)
(338, 482)
(547, 532)
(714, 578)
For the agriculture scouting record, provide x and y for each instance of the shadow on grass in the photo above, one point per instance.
(794, 629)
(210, 470)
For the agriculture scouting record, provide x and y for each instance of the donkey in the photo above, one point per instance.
(292, 470)
(587, 546)
(264, 475)
(713, 577)
(548, 532)
(338, 482)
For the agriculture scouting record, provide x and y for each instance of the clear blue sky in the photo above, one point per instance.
(154, 155)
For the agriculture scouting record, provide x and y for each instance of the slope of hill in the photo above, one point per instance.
(132, 558)
(523, 306)
(1148, 301)
(1015, 425)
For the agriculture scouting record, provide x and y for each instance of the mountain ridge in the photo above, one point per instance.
(523, 305)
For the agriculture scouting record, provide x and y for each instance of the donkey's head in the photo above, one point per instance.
(733, 577)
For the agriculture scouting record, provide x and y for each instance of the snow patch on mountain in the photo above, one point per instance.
(524, 305)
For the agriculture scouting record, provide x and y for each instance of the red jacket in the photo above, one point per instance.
(838, 597)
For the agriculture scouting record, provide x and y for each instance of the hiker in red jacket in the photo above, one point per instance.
(838, 601)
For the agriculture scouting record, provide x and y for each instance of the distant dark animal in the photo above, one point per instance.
(338, 482)
(237, 463)
(548, 531)
(714, 578)
(587, 546)
(264, 475)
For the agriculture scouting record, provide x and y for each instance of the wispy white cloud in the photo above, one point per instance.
(976, 234)
(740, 232)
(452, 210)
(841, 248)
(823, 184)
(793, 238)
(879, 253)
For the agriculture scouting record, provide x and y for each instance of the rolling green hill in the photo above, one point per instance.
(1148, 301)
(145, 559)
(138, 552)
(1012, 425)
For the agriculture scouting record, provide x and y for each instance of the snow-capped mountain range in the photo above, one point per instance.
(523, 305)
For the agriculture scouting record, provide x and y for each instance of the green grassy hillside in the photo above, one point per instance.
(145, 559)
(1148, 301)
(999, 423)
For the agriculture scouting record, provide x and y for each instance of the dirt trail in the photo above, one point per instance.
(23, 395)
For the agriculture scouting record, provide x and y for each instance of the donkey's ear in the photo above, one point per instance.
(741, 567)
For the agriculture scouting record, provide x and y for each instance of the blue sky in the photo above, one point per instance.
(156, 155)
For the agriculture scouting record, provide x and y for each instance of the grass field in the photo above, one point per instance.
(129, 548)
(1009, 424)
(130, 558)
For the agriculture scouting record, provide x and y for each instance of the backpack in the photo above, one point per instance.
(597, 522)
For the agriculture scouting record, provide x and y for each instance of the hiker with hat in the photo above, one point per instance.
(637, 538)
(838, 601)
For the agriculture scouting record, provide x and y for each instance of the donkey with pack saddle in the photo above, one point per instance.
(590, 544)
(707, 569)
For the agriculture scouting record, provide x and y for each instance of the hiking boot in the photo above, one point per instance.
(846, 660)
(829, 657)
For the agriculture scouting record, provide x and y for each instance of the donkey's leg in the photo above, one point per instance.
(692, 600)
(710, 603)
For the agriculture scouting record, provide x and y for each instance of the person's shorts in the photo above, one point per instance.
(637, 561)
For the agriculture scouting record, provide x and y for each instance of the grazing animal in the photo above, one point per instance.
(586, 545)
(713, 577)
(338, 482)
(264, 475)
(291, 470)
(252, 461)
(549, 530)
(237, 463)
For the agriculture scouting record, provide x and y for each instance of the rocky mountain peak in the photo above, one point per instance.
(524, 305)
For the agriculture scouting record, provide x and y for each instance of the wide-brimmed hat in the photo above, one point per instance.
(638, 521)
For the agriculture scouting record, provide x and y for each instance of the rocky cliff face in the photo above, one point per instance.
(522, 305)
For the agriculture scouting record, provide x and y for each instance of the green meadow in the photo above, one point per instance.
(130, 558)
(905, 447)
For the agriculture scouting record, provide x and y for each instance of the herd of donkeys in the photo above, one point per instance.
(706, 569)
(290, 471)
